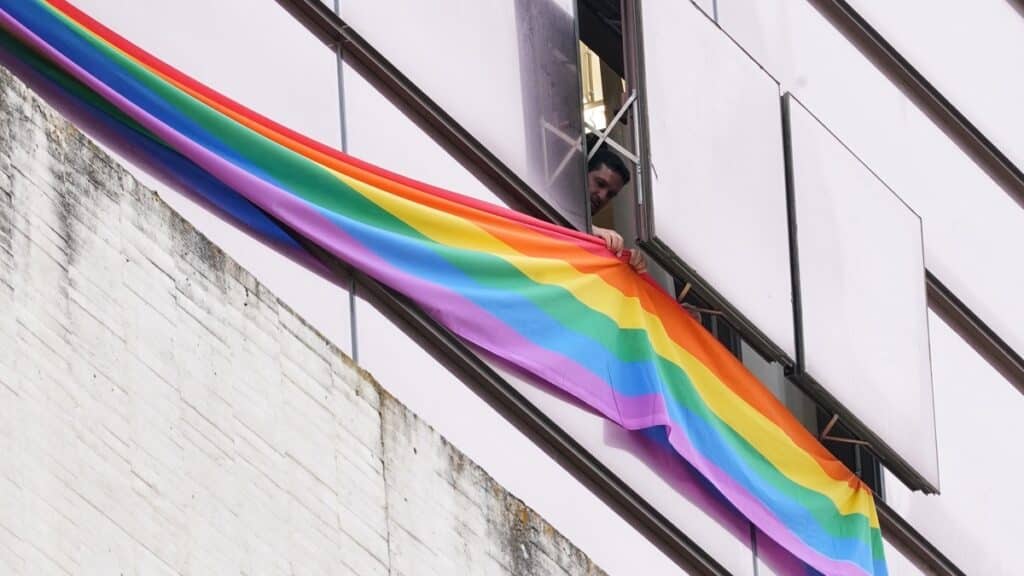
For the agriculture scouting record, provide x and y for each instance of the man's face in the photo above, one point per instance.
(602, 185)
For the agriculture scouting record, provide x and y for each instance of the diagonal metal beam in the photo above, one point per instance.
(976, 332)
(922, 92)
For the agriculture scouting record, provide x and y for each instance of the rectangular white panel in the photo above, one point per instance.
(971, 225)
(506, 70)
(292, 80)
(969, 51)
(976, 520)
(862, 293)
(381, 134)
(718, 180)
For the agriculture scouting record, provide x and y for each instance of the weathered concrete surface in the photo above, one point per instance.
(163, 413)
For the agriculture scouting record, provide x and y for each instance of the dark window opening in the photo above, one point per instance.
(607, 111)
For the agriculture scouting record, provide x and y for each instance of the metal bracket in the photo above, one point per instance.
(604, 135)
(828, 428)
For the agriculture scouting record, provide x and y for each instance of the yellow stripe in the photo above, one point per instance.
(766, 437)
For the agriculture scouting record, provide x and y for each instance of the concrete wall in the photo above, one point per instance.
(161, 412)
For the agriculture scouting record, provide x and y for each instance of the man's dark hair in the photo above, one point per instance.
(605, 157)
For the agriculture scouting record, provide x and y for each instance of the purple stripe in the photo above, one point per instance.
(641, 412)
(780, 560)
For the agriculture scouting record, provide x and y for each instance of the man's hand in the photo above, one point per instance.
(637, 261)
(613, 241)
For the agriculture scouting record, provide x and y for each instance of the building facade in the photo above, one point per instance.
(836, 185)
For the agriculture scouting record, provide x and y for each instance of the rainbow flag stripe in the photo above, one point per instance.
(549, 300)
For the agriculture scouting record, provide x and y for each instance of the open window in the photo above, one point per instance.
(609, 109)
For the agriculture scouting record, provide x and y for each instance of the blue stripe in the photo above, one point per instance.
(225, 200)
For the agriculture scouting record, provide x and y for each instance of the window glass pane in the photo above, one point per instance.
(966, 224)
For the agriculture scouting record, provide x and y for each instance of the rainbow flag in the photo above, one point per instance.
(548, 300)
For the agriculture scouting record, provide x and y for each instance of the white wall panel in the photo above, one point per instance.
(292, 80)
(381, 134)
(970, 223)
(970, 51)
(253, 52)
(506, 70)
(862, 293)
(718, 186)
(980, 419)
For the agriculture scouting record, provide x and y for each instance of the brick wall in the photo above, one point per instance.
(162, 413)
